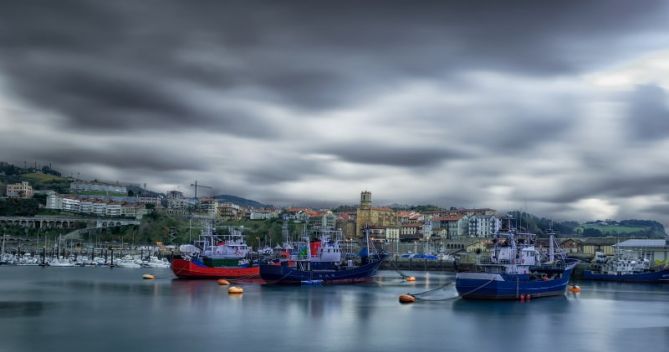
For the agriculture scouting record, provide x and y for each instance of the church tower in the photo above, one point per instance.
(366, 200)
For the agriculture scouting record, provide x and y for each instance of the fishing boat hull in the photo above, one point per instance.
(192, 269)
(661, 276)
(492, 286)
(282, 273)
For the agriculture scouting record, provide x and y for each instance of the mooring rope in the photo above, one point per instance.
(419, 294)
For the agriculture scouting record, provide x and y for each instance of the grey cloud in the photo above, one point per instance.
(303, 54)
(648, 116)
(392, 154)
(178, 70)
(120, 156)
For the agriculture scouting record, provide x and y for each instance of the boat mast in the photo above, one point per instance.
(367, 238)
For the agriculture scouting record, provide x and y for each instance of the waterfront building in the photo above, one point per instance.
(426, 229)
(366, 215)
(455, 225)
(572, 245)
(599, 244)
(656, 250)
(483, 225)
(19, 190)
(392, 234)
(410, 232)
(323, 221)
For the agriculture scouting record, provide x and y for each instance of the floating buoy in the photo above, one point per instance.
(148, 277)
(223, 282)
(411, 279)
(528, 297)
(522, 298)
(574, 289)
(235, 290)
(407, 298)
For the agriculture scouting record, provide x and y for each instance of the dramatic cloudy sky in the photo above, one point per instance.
(558, 107)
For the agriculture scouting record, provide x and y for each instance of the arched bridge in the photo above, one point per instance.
(60, 222)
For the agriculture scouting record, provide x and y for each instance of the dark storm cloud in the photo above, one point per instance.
(118, 61)
(649, 113)
(120, 156)
(242, 94)
(392, 155)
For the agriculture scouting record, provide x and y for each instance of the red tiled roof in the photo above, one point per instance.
(449, 218)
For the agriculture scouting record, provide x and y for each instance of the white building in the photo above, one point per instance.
(113, 209)
(263, 214)
(483, 226)
(86, 207)
(655, 250)
(71, 204)
(100, 209)
(427, 229)
(54, 201)
(392, 234)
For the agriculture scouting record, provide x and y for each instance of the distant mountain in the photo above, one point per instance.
(243, 202)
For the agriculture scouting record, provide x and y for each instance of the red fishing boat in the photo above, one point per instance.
(215, 257)
(196, 269)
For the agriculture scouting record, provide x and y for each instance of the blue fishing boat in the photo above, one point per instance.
(516, 269)
(325, 266)
(624, 267)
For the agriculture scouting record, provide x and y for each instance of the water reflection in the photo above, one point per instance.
(115, 310)
(13, 309)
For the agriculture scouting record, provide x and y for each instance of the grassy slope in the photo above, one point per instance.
(615, 229)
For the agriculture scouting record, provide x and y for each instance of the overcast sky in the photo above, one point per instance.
(557, 107)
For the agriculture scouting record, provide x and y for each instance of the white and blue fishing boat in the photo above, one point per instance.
(516, 269)
(322, 262)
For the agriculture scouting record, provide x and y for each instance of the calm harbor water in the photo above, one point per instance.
(101, 309)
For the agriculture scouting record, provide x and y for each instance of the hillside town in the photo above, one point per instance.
(86, 203)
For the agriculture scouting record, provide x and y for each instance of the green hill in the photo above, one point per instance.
(626, 228)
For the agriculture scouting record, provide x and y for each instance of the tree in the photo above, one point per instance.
(589, 231)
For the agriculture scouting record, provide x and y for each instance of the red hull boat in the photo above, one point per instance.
(186, 269)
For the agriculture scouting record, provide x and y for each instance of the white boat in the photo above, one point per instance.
(60, 262)
(127, 262)
(154, 262)
(27, 260)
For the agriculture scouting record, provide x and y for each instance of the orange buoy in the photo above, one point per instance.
(574, 289)
(223, 282)
(411, 279)
(407, 298)
(235, 290)
(148, 277)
